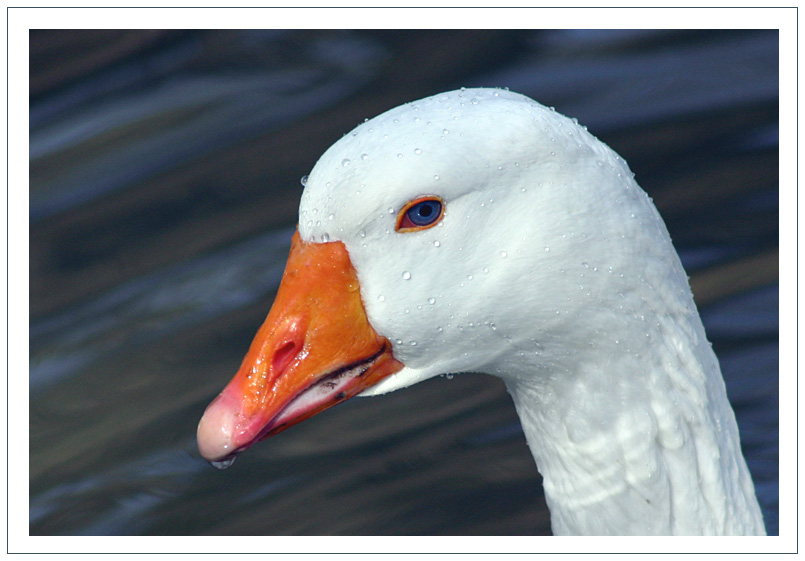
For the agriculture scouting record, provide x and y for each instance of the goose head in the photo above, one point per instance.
(479, 231)
(532, 225)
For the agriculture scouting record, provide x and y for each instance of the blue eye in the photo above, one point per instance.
(419, 214)
(424, 213)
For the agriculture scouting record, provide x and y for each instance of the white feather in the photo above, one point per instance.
(552, 270)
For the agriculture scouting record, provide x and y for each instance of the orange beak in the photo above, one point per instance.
(315, 350)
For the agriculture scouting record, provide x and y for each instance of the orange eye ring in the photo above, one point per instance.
(420, 214)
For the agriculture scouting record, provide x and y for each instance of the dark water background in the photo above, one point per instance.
(165, 171)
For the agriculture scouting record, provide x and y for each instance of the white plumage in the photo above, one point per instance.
(552, 270)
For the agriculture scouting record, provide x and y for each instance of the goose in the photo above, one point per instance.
(480, 231)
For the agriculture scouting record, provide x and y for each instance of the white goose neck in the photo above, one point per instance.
(656, 456)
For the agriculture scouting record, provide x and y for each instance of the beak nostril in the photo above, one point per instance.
(283, 356)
